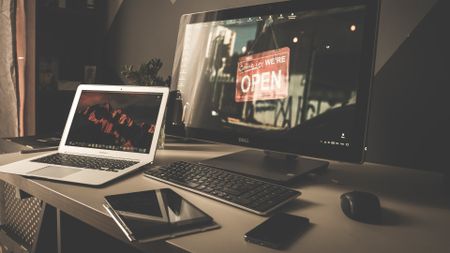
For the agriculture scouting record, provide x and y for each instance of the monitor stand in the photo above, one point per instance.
(266, 165)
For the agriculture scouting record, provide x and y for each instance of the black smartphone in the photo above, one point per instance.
(278, 231)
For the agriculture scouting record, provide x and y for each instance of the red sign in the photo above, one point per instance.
(263, 76)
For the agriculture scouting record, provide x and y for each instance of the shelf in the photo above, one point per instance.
(67, 40)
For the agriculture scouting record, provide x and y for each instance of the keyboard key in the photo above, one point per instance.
(232, 191)
(86, 162)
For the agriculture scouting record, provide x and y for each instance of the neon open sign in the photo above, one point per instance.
(263, 76)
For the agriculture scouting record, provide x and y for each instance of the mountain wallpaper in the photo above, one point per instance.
(110, 122)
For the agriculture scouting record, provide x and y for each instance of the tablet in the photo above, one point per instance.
(156, 214)
(162, 205)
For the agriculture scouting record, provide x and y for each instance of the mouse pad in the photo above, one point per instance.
(53, 171)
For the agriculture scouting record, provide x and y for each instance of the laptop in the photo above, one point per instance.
(111, 130)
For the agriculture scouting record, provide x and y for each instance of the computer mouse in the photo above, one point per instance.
(361, 206)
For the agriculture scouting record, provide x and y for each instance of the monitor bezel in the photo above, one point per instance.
(356, 152)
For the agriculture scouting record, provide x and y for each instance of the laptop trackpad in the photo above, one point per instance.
(53, 171)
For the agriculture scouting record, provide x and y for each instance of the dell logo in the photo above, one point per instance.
(243, 140)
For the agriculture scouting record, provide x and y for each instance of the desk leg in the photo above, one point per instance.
(46, 237)
(58, 231)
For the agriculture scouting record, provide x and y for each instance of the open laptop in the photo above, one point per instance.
(111, 130)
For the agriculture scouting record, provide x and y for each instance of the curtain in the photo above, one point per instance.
(8, 98)
(21, 61)
(29, 36)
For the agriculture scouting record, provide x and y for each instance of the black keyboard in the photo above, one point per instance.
(87, 162)
(244, 192)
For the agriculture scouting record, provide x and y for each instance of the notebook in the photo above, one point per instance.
(111, 130)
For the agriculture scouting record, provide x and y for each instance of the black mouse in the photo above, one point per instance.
(361, 206)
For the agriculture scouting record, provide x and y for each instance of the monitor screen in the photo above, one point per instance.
(119, 121)
(291, 77)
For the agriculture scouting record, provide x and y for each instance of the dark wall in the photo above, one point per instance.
(142, 29)
(145, 29)
(408, 116)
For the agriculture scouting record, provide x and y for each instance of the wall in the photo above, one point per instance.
(410, 117)
(145, 29)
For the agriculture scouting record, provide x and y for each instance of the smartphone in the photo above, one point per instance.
(278, 231)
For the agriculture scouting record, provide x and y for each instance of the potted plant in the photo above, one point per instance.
(147, 75)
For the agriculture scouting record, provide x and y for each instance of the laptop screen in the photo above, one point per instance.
(117, 121)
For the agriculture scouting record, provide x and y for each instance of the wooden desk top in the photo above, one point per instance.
(416, 209)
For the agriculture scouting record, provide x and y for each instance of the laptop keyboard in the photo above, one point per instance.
(86, 162)
(244, 192)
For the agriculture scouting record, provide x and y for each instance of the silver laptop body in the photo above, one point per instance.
(116, 124)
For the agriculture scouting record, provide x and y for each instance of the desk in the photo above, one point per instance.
(416, 209)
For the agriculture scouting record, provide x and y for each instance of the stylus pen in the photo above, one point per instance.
(36, 150)
(120, 223)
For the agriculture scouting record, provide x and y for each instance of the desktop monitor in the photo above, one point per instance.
(288, 77)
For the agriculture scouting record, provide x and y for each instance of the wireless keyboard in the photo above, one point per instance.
(240, 191)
